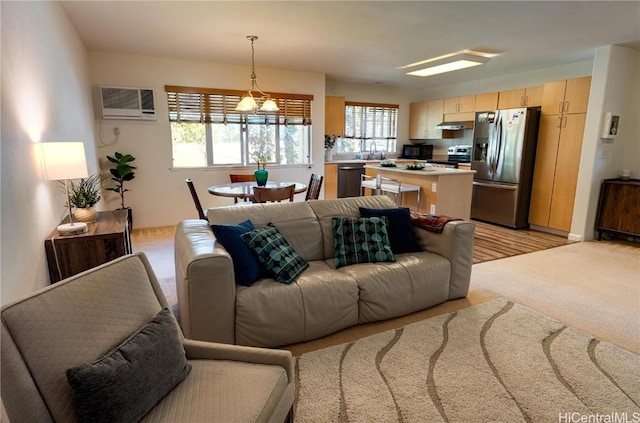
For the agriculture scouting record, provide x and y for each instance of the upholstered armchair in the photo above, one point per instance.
(104, 346)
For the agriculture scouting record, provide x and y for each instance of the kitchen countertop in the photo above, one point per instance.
(427, 171)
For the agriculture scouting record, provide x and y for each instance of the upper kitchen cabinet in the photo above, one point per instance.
(566, 97)
(334, 116)
(488, 101)
(423, 118)
(460, 104)
(523, 97)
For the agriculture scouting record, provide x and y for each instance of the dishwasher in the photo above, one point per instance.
(349, 179)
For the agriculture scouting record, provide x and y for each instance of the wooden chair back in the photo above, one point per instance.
(263, 195)
(234, 177)
(313, 190)
(196, 200)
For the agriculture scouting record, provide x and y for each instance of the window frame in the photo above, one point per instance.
(358, 126)
(211, 106)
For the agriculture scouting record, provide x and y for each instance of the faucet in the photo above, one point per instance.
(373, 150)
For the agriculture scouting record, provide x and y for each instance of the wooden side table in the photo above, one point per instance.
(619, 207)
(107, 239)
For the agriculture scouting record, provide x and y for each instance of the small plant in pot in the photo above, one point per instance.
(84, 195)
(121, 172)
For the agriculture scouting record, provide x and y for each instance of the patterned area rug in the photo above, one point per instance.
(494, 362)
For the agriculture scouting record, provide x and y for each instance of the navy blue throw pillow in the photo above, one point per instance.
(245, 264)
(401, 235)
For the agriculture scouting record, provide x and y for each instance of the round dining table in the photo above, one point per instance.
(244, 190)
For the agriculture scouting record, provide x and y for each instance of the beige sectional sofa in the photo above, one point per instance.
(323, 299)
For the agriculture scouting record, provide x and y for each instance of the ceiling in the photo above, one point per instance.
(360, 41)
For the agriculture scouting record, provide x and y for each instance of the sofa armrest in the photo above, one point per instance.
(455, 242)
(199, 350)
(205, 284)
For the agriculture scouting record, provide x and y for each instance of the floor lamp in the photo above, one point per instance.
(64, 161)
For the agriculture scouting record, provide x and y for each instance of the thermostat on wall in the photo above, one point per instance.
(609, 128)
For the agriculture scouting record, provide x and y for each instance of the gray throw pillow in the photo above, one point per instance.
(128, 382)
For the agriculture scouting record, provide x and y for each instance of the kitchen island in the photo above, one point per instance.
(444, 191)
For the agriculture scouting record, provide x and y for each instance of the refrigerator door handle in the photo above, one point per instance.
(494, 185)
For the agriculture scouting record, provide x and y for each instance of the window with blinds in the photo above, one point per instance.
(207, 130)
(368, 125)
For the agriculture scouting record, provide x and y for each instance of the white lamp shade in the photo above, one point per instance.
(269, 106)
(247, 104)
(64, 160)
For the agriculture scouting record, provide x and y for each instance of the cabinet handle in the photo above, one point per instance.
(559, 122)
(560, 105)
(521, 101)
(526, 100)
(566, 109)
(564, 122)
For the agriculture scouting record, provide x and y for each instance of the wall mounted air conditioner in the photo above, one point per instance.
(127, 103)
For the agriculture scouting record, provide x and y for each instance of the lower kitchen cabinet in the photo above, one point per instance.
(556, 171)
(330, 181)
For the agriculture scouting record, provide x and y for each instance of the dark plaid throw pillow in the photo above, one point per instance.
(360, 240)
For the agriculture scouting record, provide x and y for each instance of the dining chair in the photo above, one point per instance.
(313, 190)
(239, 177)
(263, 195)
(196, 200)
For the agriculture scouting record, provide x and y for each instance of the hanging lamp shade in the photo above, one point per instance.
(248, 103)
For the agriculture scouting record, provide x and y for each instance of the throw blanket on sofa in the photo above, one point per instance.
(430, 222)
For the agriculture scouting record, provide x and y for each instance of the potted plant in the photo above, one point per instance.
(329, 142)
(120, 173)
(84, 195)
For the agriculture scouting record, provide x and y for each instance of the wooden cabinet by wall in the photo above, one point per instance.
(334, 115)
(619, 207)
(523, 97)
(566, 97)
(330, 181)
(487, 101)
(555, 173)
(423, 118)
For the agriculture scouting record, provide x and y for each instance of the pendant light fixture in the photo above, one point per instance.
(248, 102)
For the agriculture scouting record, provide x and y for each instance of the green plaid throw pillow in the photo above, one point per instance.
(274, 252)
(360, 240)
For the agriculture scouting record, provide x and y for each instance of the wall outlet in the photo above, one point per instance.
(432, 209)
(434, 186)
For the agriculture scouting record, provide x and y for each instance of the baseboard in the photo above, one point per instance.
(574, 237)
(549, 231)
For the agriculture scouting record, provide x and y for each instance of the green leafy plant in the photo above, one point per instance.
(122, 172)
(86, 193)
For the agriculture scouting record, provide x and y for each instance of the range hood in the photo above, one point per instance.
(455, 126)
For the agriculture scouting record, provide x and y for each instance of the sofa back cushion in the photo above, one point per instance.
(296, 222)
(343, 207)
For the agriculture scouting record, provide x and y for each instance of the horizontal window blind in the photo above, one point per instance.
(371, 120)
(210, 105)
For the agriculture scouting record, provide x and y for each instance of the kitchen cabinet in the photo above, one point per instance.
(459, 109)
(334, 115)
(566, 96)
(330, 181)
(488, 101)
(523, 97)
(423, 118)
(619, 207)
(555, 172)
(460, 104)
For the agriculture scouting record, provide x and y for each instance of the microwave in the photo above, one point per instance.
(417, 151)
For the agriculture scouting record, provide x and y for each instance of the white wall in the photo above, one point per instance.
(45, 98)
(615, 88)
(159, 195)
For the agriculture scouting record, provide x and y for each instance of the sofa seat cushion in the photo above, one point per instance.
(321, 301)
(413, 282)
(235, 392)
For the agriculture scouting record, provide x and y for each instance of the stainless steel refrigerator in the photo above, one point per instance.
(504, 148)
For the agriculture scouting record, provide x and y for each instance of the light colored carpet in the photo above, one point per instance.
(592, 286)
(496, 361)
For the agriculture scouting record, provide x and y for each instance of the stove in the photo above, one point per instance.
(459, 153)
